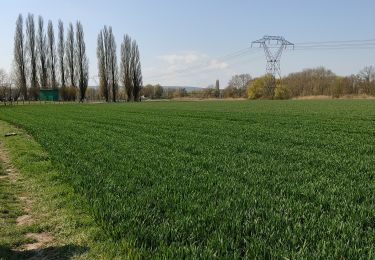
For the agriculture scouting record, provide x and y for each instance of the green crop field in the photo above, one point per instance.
(227, 179)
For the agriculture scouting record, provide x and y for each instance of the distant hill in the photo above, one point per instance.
(188, 88)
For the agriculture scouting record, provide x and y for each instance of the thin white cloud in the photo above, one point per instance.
(183, 57)
(215, 64)
(194, 60)
(189, 68)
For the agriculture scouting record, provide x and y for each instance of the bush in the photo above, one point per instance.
(256, 88)
(282, 92)
(262, 87)
(267, 87)
(68, 93)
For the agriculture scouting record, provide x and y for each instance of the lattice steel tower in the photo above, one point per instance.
(277, 43)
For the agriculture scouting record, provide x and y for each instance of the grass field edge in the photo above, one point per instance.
(56, 207)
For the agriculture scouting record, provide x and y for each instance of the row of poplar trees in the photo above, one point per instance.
(38, 64)
(129, 74)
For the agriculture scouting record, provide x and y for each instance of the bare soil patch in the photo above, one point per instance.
(43, 240)
(24, 220)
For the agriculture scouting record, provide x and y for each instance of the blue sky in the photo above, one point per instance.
(175, 36)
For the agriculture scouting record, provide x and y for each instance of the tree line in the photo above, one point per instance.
(40, 64)
(130, 73)
(309, 82)
(314, 82)
(43, 62)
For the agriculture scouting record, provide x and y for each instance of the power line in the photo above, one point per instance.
(336, 49)
(208, 63)
(324, 42)
(365, 44)
(338, 45)
(199, 69)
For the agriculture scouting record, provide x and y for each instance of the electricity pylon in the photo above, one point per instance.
(273, 57)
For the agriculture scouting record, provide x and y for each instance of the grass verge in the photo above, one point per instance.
(54, 206)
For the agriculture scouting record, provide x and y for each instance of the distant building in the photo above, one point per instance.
(49, 95)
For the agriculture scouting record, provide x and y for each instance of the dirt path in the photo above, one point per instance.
(40, 215)
(41, 240)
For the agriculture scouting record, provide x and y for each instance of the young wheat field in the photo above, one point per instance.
(226, 179)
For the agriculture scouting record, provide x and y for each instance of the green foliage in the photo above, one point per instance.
(265, 179)
(256, 88)
(262, 87)
(282, 92)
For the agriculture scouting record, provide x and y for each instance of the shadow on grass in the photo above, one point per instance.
(62, 252)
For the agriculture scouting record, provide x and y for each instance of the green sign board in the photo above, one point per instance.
(49, 95)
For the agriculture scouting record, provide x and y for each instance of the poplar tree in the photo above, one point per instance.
(51, 60)
(126, 68)
(136, 71)
(69, 52)
(31, 56)
(112, 64)
(101, 53)
(20, 57)
(61, 58)
(82, 66)
(42, 53)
